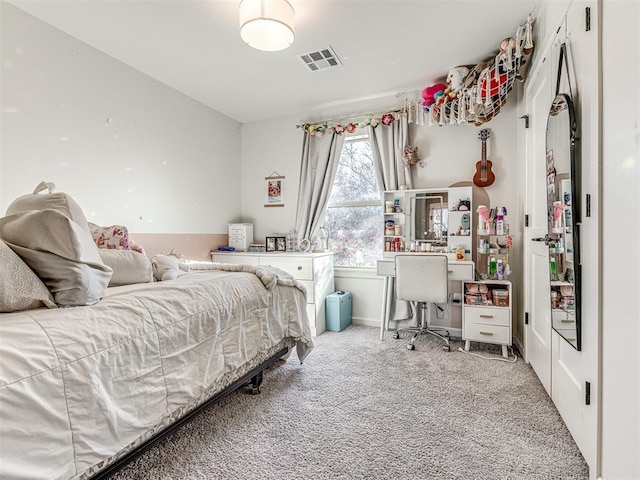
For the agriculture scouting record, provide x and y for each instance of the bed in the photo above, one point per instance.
(102, 352)
(82, 387)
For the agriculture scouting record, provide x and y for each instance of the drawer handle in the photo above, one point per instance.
(299, 268)
(564, 320)
(449, 271)
(486, 316)
(486, 333)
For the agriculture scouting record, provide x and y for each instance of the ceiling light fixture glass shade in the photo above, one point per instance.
(266, 24)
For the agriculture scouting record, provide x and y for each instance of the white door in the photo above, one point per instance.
(572, 369)
(539, 94)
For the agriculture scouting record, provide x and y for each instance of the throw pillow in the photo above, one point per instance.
(114, 237)
(128, 267)
(55, 201)
(60, 252)
(20, 288)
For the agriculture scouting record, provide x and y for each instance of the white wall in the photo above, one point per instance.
(128, 148)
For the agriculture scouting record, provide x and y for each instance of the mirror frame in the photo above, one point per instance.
(575, 182)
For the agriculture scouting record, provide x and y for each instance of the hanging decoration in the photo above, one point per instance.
(350, 125)
(474, 95)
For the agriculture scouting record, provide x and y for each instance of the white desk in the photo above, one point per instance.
(458, 270)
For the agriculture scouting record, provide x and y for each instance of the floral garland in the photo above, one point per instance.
(319, 129)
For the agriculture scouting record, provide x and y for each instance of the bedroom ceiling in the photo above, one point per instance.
(385, 46)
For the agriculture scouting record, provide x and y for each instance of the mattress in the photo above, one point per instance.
(82, 386)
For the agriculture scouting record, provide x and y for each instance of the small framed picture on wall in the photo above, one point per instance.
(275, 190)
(270, 244)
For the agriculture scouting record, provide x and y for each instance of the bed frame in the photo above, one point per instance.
(252, 381)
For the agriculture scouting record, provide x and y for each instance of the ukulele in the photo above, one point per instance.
(484, 176)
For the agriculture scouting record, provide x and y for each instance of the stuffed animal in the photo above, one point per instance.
(455, 80)
(430, 94)
(167, 267)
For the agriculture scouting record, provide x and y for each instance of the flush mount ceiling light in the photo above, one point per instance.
(266, 24)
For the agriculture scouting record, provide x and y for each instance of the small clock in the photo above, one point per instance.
(305, 245)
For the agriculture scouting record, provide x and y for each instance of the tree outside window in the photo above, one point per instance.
(354, 212)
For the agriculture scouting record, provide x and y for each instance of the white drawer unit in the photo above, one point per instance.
(460, 271)
(240, 236)
(486, 313)
(314, 270)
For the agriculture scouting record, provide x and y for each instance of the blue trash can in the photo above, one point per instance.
(338, 310)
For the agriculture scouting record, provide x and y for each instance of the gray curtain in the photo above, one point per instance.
(320, 156)
(388, 142)
(387, 145)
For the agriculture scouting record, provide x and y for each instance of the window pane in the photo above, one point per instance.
(356, 174)
(356, 235)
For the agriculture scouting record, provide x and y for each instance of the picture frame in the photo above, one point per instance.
(274, 190)
(270, 244)
(281, 244)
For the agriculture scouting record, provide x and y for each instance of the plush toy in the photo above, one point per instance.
(168, 267)
(430, 94)
(455, 80)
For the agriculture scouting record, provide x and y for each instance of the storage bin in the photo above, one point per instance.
(501, 298)
(338, 311)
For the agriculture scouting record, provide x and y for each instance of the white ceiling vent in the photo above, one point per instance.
(321, 59)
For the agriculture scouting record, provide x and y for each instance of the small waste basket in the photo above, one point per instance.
(338, 310)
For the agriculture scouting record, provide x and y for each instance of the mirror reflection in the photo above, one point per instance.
(561, 209)
(430, 219)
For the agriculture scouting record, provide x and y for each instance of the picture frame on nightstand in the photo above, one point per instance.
(270, 244)
(281, 244)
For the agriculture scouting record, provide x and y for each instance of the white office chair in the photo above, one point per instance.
(421, 280)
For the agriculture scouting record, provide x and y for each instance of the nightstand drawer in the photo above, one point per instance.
(487, 333)
(487, 316)
(460, 272)
(226, 258)
(300, 268)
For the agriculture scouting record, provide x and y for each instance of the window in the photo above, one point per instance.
(354, 212)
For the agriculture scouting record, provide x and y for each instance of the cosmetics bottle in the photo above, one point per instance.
(493, 267)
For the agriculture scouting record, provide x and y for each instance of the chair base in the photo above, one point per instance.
(417, 331)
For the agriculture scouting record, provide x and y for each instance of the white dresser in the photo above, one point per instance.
(313, 270)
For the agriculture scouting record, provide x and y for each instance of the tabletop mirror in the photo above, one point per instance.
(562, 195)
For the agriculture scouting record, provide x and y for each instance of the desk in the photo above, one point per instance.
(458, 270)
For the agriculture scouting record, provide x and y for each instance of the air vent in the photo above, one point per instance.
(321, 59)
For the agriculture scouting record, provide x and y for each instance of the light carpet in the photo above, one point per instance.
(360, 408)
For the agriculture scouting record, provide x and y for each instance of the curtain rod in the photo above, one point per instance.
(352, 117)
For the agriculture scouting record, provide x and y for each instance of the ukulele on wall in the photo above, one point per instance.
(484, 176)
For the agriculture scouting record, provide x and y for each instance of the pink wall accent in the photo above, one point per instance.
(193, 246)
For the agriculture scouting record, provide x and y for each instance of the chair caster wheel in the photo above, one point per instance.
(411, 347)
(396, 336)
(447, 348)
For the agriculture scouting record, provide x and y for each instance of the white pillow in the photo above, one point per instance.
(128, 266)
(55, 201)
(20, 288)
(60, 252)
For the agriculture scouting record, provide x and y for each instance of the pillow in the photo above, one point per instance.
(55, 201)
(20, 288)
(128, 267)
(114, 237)
(60, 252)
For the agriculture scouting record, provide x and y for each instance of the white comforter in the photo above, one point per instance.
(81, 386)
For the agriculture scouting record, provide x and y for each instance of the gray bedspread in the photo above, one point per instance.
(82, 386)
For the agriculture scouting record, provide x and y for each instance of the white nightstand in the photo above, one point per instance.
(483, 321)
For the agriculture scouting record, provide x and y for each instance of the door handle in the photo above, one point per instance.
(546, 239)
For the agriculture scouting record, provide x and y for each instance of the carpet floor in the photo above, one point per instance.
(360, 408)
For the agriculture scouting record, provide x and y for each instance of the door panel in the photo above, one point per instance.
(539, 95)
